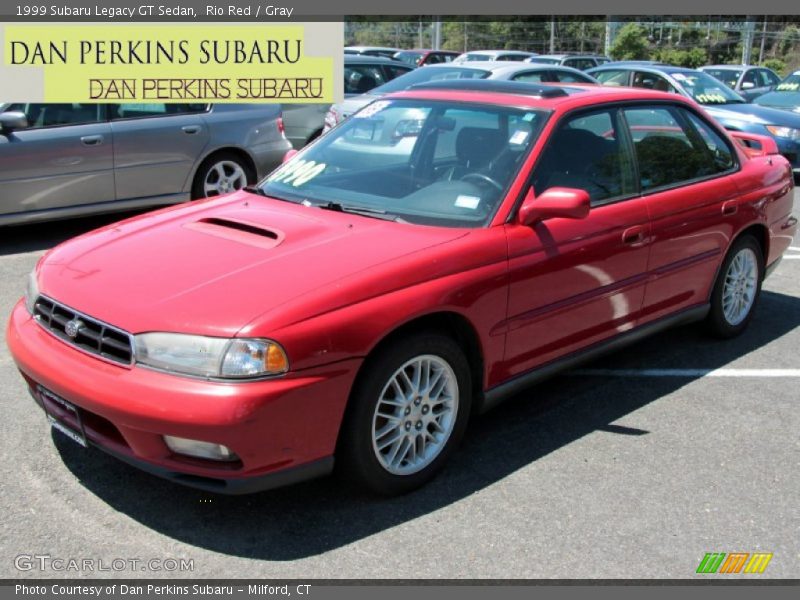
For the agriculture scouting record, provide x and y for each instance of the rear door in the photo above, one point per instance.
(575, 282)
(63, 158)
(683, 166)
(156, 147)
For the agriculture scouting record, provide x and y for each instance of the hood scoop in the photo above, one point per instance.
(236, 230)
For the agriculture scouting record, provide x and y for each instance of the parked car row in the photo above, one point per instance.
(721, 102)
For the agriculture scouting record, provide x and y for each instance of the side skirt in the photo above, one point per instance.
(497, 394)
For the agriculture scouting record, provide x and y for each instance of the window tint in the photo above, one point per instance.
(580, 63)
(50, 115)
(670, 149)
(133, 111)
(651, 81)
(565, 77)
(612, 77)
(393, 71)
(587, 153)
(751, 77)
(771, 77)
(766, 78)
(719, 149)
(359, 79)
(529, 76)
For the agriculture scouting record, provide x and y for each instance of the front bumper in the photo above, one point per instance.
(283, 430)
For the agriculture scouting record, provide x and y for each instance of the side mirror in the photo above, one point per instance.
(9, 121)
(289, 155)
(748, 85)
(567, 203)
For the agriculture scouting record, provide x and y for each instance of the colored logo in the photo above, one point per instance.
(734, 562)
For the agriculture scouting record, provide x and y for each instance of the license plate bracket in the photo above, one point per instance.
(59, 411)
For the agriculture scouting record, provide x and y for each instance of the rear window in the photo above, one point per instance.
(426, 74)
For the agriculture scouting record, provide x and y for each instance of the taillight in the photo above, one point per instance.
(281, 129)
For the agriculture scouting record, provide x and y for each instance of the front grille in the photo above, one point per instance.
(91, 335)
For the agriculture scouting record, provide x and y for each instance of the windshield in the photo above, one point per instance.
(410, 58)
(790, 84)
(705, 89)
(426, 74)
(727, 76)
(418, 161)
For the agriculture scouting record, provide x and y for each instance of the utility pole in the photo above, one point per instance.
(552, 35)
(763, 39)
(747, 42)
(437, 34)
(608, 40)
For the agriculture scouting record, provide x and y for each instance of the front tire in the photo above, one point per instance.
(737, 288)
(407, 414)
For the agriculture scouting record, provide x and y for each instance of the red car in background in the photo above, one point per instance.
(435, 253)
(420, 58)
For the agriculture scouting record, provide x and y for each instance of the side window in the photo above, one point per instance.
(580, 63)
(651, 81)
(51, 115)
(669, 150)
(393, 71)
(434, 59)
(768, 78)
(360, 79)
(719, 149)
(586, 152)
(134, 111)
(566, 77)
(751, 77)
(612, 77)
(529, 76)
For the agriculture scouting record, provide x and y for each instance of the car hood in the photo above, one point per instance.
(212, 267)
(755, 114)
(356, 103)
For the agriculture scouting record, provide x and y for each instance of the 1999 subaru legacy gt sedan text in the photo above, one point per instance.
(438, 251)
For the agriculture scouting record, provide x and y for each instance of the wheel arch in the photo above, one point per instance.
(237, 150)
(449, 323)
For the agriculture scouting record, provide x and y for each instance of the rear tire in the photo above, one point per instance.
(737, 288)
(407, 414)
(221, 173)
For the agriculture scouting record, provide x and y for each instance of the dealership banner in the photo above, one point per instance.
(298, 62)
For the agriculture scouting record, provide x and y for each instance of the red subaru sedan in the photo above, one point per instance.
(437, 252)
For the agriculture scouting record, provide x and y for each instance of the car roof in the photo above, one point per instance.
(363, 48)
(499, 52)
(370, 60)
(646, 67)
(729, 67)
(529, 95)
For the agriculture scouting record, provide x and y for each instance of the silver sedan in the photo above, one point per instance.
(66, 160)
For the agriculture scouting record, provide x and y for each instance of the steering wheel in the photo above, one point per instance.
(484, 179)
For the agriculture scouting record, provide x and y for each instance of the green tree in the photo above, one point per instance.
(630, 43)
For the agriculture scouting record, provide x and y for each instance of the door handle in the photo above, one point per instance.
(730, 208)
(92, 140)
(190, 129)
(633, 235)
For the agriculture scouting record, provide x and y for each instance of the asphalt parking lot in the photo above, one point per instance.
(598, 473)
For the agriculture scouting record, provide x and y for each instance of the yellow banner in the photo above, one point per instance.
(96, 63)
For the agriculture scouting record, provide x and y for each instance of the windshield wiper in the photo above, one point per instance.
(359, 210)
(251, 189)
(260, 192)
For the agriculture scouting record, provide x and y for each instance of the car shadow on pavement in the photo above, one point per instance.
(318, 516)
(17, 239)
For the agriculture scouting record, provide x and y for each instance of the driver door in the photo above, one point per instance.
(575, 282)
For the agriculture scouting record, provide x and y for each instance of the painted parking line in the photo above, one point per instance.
(686, 373)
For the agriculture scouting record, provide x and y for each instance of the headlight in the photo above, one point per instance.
(784, 132)
(31, 291)
(211, 357)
